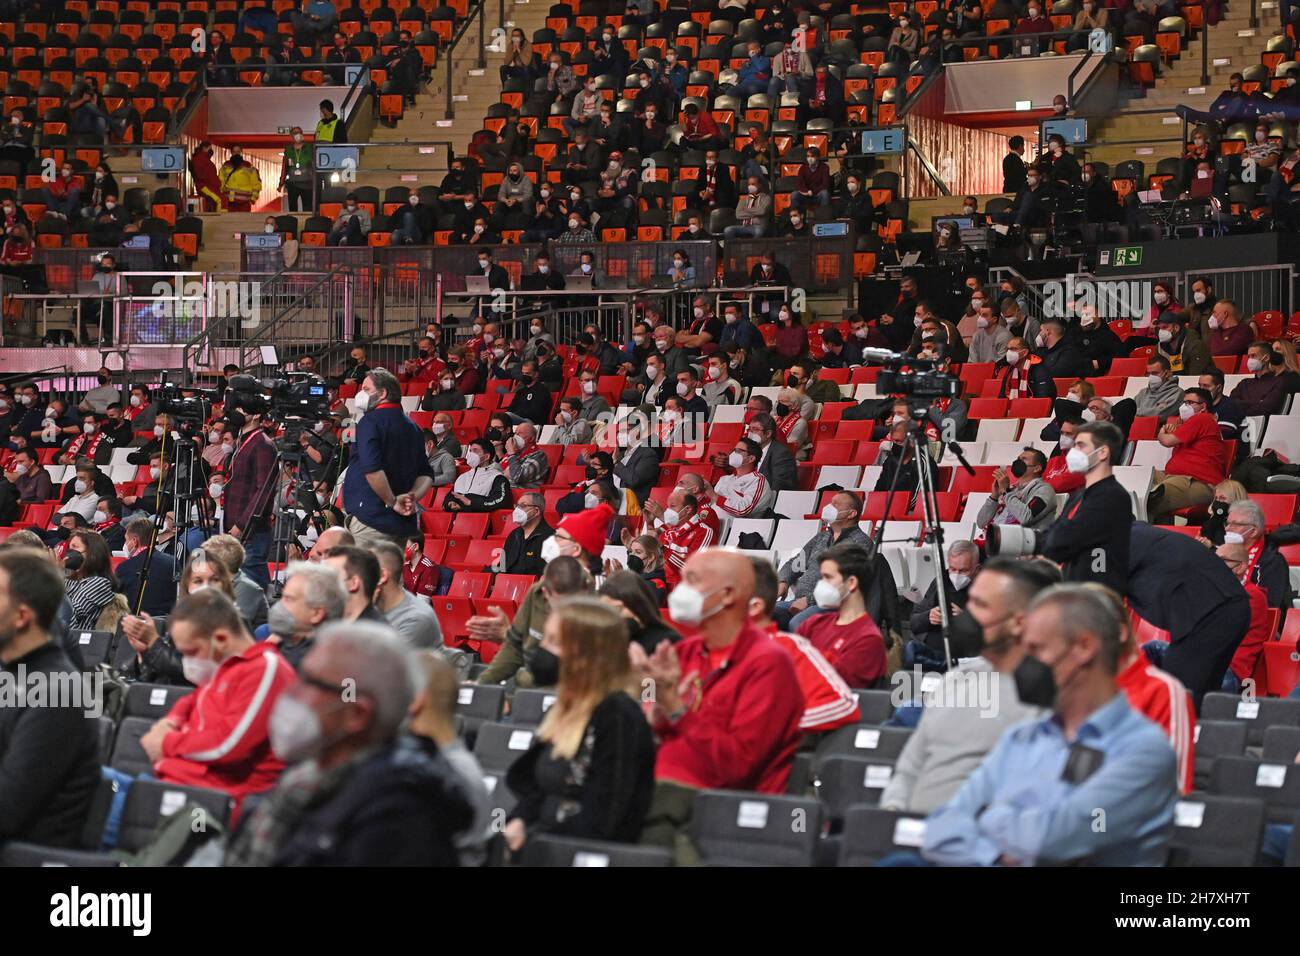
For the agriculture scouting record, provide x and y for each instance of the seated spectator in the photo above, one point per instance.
(1267, 566)
(415, 223)
(514, 200)
(91, 582)
(1228, 334)
(681, 271)
(219, 736)
(1196, 465)
(1031, 504)
(1264, 393)
(484, 487)
(904, 42)
(955, 733)
(49, 750)
(716, 185)
(594, 720)
(1162, 394)
(1021, 373)
(566, 575)
(823, 98)
(737, 730)
(790, 67)
(522, 553)
(399, 805)
(1251, 647)
(841, 629)
(412, 618)
(753, 210)
(814, 183)
(351, 226)
(1137, 781)
(525, 464)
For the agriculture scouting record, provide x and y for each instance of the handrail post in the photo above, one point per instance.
(1205, 54)
(482, 21)
(1254, 16)
(451, 56)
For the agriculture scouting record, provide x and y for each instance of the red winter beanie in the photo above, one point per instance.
(589, 528)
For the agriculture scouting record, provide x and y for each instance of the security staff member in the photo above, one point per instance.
(1090, 540)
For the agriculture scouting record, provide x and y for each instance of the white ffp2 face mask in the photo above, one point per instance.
(686, 605)
(830, 514)
(827, 595)
(550, 549)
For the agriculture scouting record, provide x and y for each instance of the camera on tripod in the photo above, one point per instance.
(188, 407)
(1012, 541)
(928, 383)
(295, 403)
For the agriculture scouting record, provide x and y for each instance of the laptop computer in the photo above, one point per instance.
(477, 285)
(577, 283)
(661, 282)
(88, 287)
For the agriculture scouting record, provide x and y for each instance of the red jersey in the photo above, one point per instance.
(1252, 645)
(423, 578)
(828, 702)
(1199, 453)
(856, 650)
(1162, 698)
(1058, 475)
(683, 540)
(740, 728)
(423, 370)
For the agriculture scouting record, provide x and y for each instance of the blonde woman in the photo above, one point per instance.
(590, 771)
(203, 570)
(1226, 493)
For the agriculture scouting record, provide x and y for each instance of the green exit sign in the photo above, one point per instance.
(1128, 256)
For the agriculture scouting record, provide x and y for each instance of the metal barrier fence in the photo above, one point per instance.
(64, 268)
(1253, 288)
(822, 265)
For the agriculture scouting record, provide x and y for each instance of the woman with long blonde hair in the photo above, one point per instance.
(590, 770)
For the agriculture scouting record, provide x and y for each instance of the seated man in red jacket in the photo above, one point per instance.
(727, 702)
(1237, 558)
(218, 736)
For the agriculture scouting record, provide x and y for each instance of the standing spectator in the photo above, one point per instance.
(248, 492)
(299, 165)
(389, 472)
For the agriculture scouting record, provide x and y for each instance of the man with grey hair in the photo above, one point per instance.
(926, 644)
(388, 472)
(313, 596)
(412, 619)
(359, 793)
(1268, 569)
(1095, 783)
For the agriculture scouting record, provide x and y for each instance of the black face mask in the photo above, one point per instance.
(636, 565)
(1219, 509)
(1035, 684)
(1018, 468)
(73, 559)
(782, 411)
(545, 668)
(493, 434)
(424, 353)
(591, 472)
(792, 381)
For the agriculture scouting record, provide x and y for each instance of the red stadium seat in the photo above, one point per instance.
(513, 587)
(1278, 509)
(484, 552)
(1029, 408)
(1282, 664)
(454, 614)
(988, 408)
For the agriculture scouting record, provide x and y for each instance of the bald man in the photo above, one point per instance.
(727, 700)
(335, 536)
(525, 464)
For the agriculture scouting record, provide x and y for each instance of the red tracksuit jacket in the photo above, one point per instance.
(741, 726)
(222, 742)
(1161, 697)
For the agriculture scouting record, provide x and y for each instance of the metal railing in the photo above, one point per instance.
(476, 12)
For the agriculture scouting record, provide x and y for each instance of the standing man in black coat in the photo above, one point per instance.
(1013, 166)
(1090, 539)
(1178, 584)
(49, 761)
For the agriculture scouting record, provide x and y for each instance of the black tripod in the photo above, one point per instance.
(932, 530)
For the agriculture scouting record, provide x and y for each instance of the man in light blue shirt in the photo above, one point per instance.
(1094, 784)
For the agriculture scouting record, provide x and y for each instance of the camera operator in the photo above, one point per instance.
(325, 453)
(389, 472)
(1090, 539)
(247, 492)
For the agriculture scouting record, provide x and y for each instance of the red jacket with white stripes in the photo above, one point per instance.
(680, 542)
(828, 702)
(1162, 698)
(221, 741)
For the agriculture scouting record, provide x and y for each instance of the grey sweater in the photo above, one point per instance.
(951, 741)
(805, 581)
